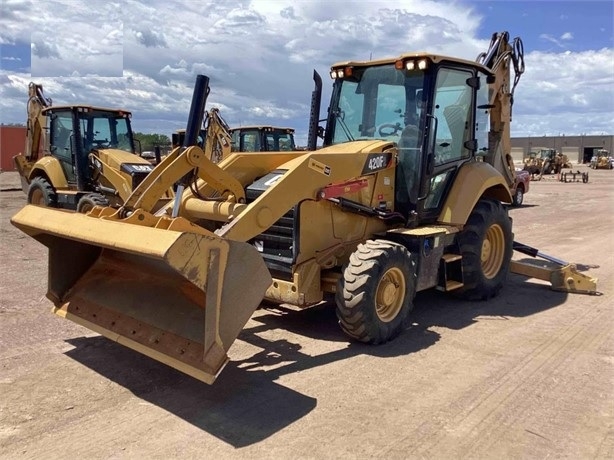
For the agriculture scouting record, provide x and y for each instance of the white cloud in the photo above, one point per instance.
(260, 56)
(569, 92)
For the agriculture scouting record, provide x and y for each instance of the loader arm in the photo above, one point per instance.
(122, 188)
(175, 166)
(303, 179)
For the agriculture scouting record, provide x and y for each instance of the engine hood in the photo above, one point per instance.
(362, 146)
(116, 157)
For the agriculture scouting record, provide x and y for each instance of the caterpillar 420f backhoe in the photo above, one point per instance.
(407, 194)
(78, 156)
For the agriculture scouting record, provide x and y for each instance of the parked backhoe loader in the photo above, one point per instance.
(406, 194)
(79, 156)
(262, 138)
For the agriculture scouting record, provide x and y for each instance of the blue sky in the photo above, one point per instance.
(143, 55)
(543, 24)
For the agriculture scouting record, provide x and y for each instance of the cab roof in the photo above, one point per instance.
(263, 127)
(436, 58)
(85, 108)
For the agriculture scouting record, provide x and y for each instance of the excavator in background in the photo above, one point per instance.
(407, 193)
(78, 156)
(261, 138)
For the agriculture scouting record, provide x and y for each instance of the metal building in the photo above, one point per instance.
(579, 149)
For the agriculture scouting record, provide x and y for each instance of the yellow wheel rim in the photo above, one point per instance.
(493, 251)
(37, 197)
(390, 295)
(86, 207)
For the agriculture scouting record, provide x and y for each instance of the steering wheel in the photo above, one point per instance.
(394, 127)
(100, 143)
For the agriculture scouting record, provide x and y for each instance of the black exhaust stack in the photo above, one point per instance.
(195, 121)
(197, 110)
(314, 115)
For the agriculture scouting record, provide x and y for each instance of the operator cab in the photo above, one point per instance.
(262, 139)
(425, 104)
(74, 131)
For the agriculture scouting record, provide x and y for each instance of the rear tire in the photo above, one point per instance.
(87, 202)
(486, 247)
(42, 193)
(375, 295)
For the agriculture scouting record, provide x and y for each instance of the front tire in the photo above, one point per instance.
(375, 295)
(42, 193)
(486, 247)
(87, 202)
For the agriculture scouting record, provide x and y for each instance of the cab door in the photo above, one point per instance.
(61, 142)
(450, 139)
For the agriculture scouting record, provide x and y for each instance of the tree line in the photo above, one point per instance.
(150, 141)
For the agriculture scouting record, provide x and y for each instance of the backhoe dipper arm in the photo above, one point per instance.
(36, 120)
(499, 58)
(217, 143)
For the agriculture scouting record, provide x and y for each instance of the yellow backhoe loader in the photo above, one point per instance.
(78, 156)
(261, 138)
(406, 194)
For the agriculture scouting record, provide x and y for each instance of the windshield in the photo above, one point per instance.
(279, 140)
(376, 103)
(105, 129)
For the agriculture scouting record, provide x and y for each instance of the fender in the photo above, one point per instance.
(475, 180)
(50, 166)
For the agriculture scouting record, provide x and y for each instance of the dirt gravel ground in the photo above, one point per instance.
(529, 374)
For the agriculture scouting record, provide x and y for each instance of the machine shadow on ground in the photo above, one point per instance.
(246, 405)
(241, 408)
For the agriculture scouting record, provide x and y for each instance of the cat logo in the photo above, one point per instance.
(376, 162)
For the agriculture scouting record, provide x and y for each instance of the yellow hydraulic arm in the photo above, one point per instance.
(563, 276)
(500, 58)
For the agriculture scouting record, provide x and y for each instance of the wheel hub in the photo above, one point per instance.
(493, 251)
(38, 198)
(390, 294)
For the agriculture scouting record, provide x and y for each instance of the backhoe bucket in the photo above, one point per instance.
(178, 297)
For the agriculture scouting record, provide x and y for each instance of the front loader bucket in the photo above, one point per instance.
(178, 297)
